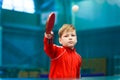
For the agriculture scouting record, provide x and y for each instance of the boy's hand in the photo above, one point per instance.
(49, 36)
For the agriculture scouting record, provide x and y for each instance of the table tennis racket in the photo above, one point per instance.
(50, 23)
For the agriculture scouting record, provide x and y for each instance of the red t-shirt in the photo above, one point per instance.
(65, 62)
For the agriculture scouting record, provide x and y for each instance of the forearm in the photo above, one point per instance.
(48, 45)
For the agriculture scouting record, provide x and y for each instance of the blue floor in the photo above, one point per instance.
(83, 78)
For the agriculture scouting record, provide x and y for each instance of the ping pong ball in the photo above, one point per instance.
(75, 8)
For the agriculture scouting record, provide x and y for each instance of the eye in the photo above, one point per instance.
(66, 36)
(73, 35)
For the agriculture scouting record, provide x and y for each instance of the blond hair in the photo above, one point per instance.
(65, 28)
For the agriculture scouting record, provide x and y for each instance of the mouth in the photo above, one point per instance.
(71, 42)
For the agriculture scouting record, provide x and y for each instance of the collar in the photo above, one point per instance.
(69, 49)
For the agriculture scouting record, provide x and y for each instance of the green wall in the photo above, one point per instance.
(97, 27)
(93, 15)
(0, 36)
(14, 17)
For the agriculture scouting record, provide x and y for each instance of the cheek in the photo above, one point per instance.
(75, 40)
(60, 41)
(63, 41)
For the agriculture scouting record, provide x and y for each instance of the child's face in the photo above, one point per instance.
(68, 39)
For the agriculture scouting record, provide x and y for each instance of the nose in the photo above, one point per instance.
(70, 38)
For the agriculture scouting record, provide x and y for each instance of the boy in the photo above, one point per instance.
(65, 62)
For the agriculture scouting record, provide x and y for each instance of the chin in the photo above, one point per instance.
(71, 47)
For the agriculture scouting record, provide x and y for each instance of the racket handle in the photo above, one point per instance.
(49, 41)
(50, 37)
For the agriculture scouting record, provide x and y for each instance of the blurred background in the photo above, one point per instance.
(22, 26)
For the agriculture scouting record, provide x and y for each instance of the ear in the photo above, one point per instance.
(60, 41)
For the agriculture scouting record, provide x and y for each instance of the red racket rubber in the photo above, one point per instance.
(50, 23)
